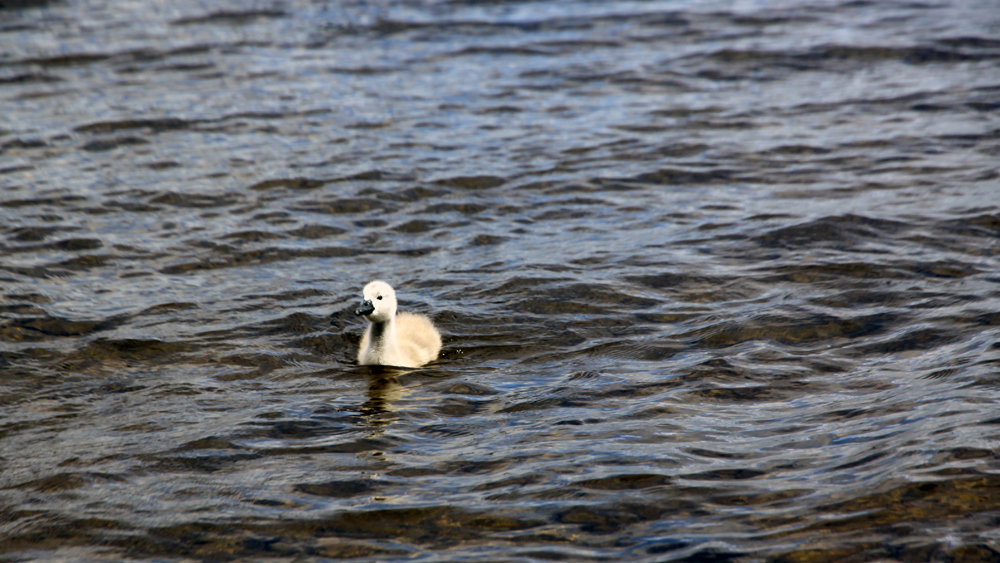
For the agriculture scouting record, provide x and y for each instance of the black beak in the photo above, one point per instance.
(366, 308)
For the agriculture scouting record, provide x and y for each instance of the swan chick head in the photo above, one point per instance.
(378, 302)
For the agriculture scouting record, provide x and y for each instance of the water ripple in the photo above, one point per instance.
(715, 283)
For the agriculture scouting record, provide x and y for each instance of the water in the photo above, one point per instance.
(717, 280)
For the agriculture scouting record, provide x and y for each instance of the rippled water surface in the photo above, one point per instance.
(718, 281)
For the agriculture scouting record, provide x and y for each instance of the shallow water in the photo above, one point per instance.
(717, 281)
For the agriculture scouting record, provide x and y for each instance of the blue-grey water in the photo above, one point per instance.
(718, 281)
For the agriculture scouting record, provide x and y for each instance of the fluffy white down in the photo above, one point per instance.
(395, 339)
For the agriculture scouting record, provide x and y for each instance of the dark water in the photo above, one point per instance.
(718, 281)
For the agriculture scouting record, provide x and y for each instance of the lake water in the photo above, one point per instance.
(717, 281)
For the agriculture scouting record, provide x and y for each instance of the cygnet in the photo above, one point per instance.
(394, 339)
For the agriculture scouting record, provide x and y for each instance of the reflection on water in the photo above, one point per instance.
(384, 392)
(716, 281)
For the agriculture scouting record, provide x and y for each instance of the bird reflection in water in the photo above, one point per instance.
(384, 390)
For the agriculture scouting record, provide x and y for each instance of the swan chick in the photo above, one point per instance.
(394, 339)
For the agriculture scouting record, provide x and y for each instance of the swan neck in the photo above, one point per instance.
(383, 336)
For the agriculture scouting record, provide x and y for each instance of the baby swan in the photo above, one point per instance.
(404, 340)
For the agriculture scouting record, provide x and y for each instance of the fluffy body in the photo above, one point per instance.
(394, 339)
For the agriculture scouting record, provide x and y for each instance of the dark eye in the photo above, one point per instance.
(379, 298)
